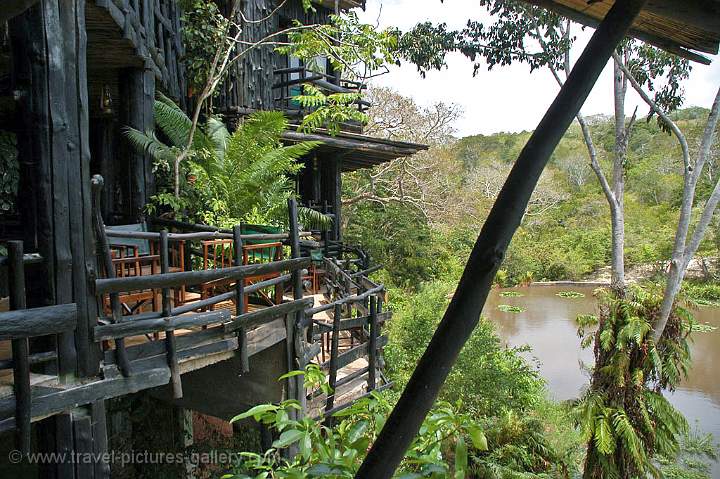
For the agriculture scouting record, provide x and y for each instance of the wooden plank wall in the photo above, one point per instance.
(250, 80)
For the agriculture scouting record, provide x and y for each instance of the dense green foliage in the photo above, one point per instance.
(204, 32)
(566, 232)
(243, 177)
(439, 451)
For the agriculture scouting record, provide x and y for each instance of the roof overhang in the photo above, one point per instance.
(687, 28)
(356, 151)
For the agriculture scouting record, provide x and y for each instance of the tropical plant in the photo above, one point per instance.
(623, 416)
(228, 178)
(439, 451)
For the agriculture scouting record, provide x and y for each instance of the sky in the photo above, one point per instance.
(510, 98)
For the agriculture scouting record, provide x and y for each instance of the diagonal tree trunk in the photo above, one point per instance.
(464, 310)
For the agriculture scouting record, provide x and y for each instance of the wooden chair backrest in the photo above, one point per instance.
(218, 253)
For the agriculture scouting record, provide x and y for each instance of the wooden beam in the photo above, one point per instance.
(171, 280)
(145, 326)
(30, 323)
(463, 313)
(20, 349)
(77, 395)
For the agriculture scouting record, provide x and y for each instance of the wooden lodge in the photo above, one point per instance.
(101, 302)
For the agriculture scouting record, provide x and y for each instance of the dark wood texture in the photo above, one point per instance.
(463, 313)
(20, 348)
(77, 395)
(372, 343)
(332, 374)
(131, 283)
(103, 251)
(261, 316)
(35, 322)
(170, 345)
(146, 326)
(240, 300)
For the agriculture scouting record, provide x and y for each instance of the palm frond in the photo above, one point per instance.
(150, 144)
(313, 219)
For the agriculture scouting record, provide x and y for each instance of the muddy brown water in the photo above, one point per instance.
(548, 326)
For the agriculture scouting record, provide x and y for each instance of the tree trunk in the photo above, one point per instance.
(617, 203)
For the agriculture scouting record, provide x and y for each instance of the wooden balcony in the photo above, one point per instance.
(199, 352)
(289, 83)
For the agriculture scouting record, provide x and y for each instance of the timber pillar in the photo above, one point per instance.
(50, 80)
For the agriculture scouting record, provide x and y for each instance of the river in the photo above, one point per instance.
(547, 324)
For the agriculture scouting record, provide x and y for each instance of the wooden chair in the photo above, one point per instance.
(140, 257)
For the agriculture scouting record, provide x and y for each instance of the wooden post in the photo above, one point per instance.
(372, 351)
(106, 258)
(335, 343)
(240, 299)
(20, 349)
(463, 313)
(293, 324)
(170, 345)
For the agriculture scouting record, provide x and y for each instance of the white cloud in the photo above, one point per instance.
(505, 98)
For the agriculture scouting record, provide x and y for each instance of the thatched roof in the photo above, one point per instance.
(685, 27)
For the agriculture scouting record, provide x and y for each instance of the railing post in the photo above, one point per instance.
(372, 347)
(20, 349)
(170, 344)
(335, 343)
(106, 258)
(295, 385)
(240, 299)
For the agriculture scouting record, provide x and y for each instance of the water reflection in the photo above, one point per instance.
(547, 324)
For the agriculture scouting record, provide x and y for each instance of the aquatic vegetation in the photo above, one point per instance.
(570, 294)
(511, 294)
(507, 308)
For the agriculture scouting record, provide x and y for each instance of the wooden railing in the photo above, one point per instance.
(290, 82)
(19, 325)
(355, 301)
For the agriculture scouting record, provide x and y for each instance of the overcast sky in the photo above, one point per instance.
(505, 98)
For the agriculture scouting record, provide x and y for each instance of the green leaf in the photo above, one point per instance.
(288, 437)
(461, 459)
(357, 431)
(291, 374)
(477, 436)
(256, 412)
